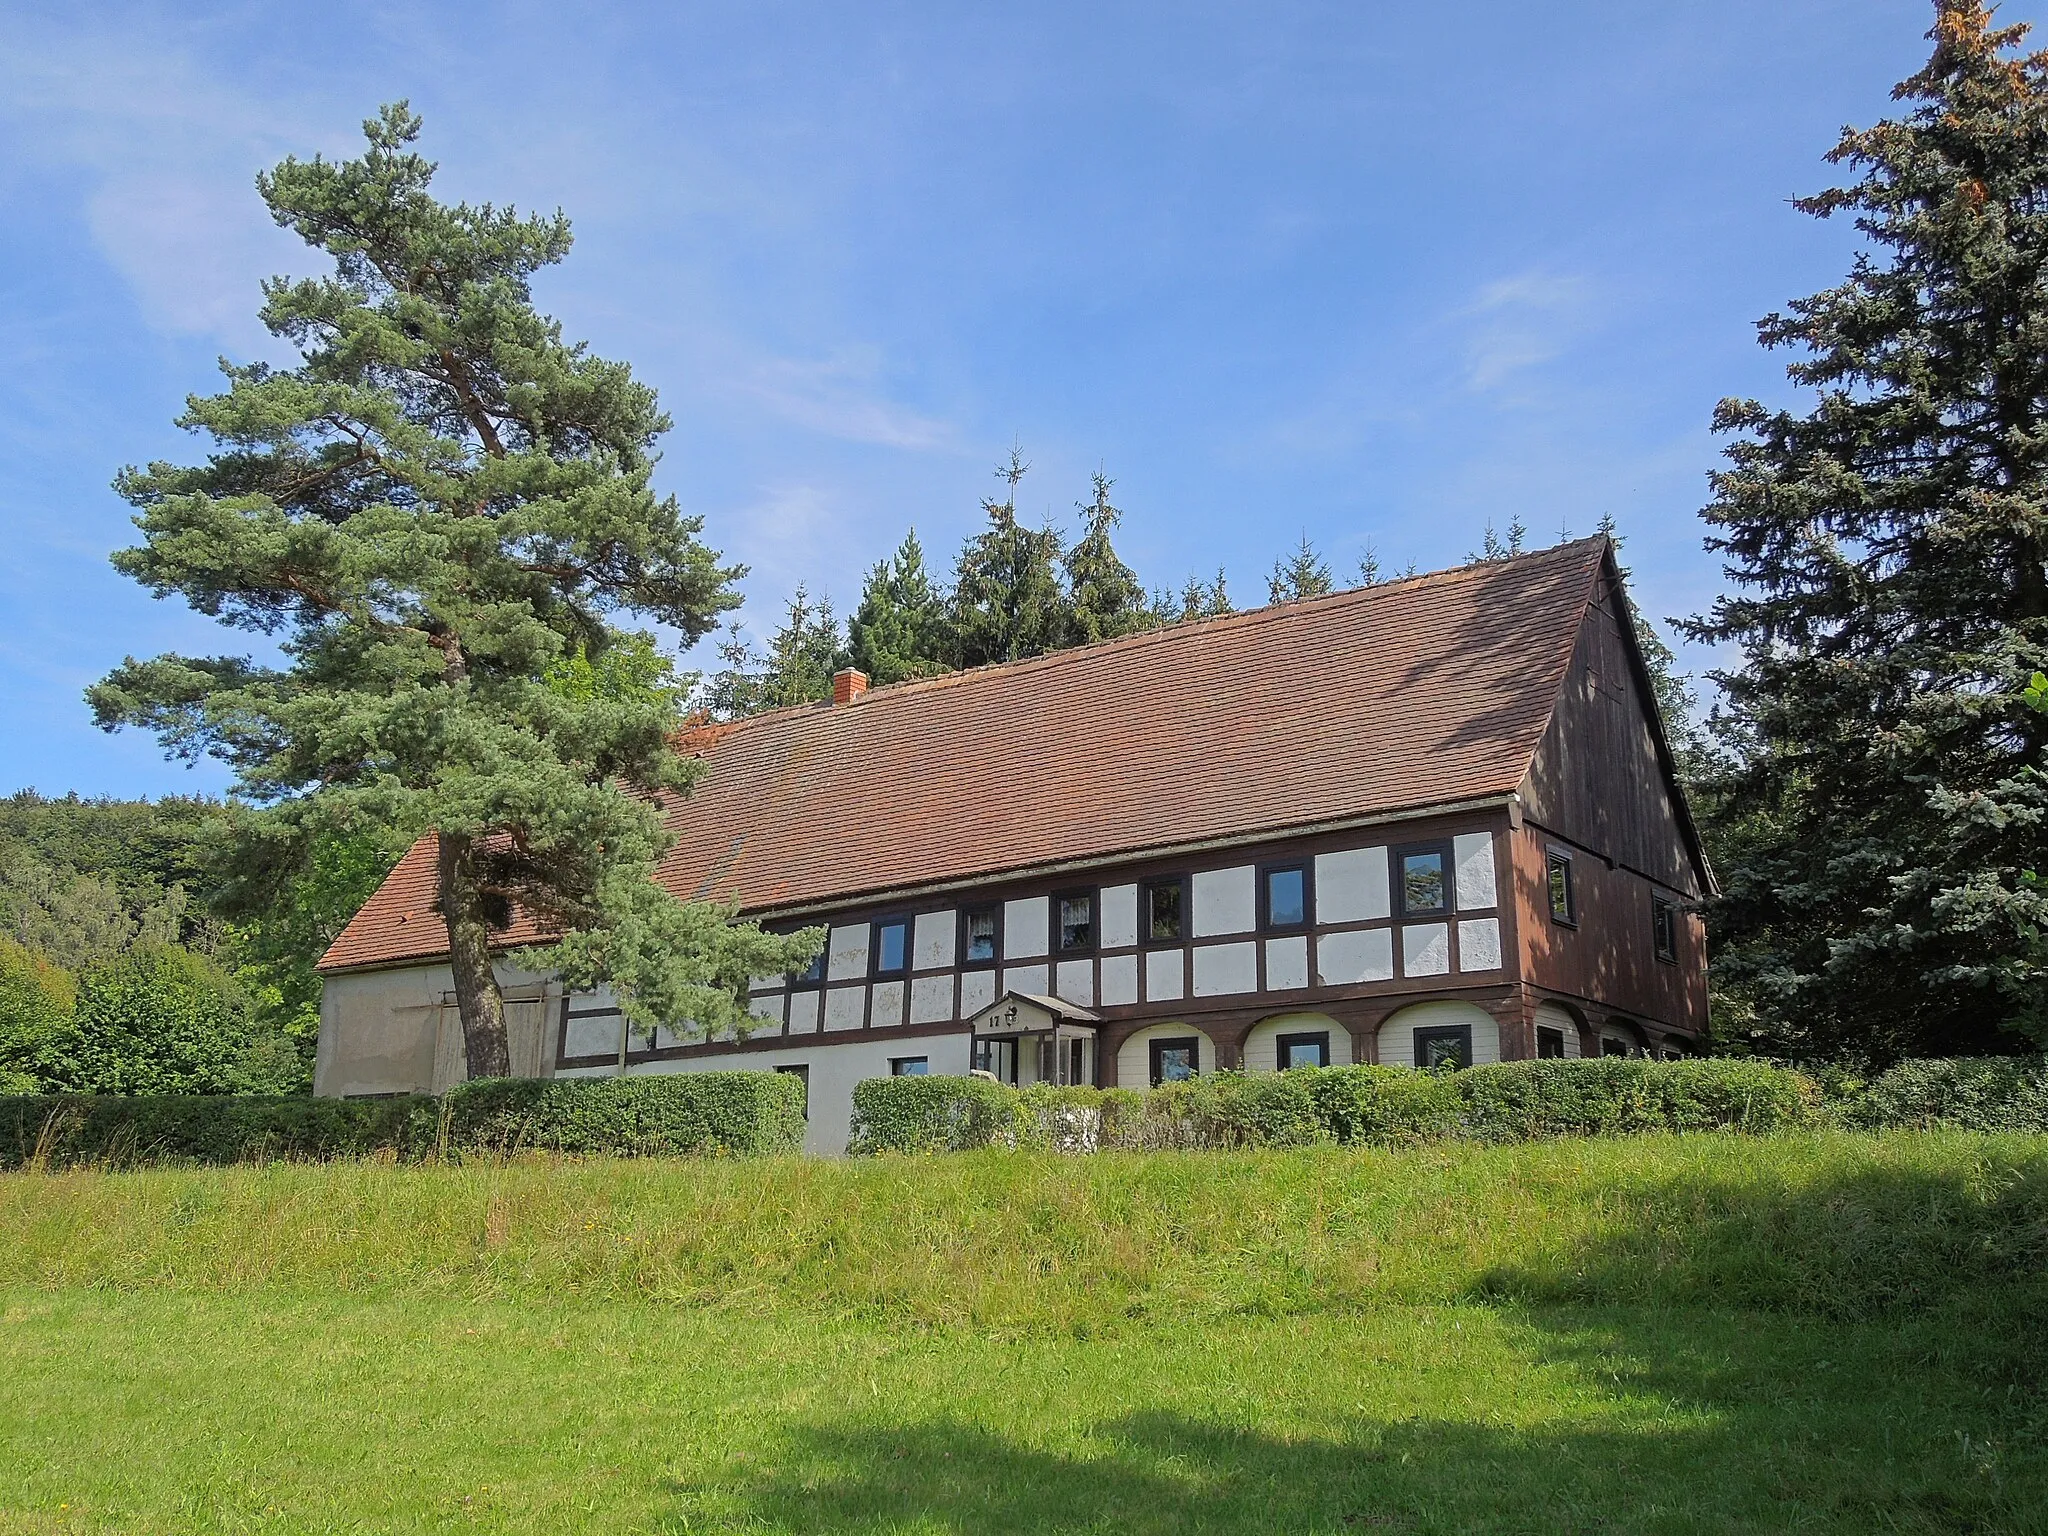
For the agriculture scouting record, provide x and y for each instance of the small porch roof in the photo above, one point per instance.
(1032, 1013)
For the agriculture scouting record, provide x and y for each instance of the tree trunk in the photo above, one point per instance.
(477, 997)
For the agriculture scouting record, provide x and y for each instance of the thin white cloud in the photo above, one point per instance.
(839, 396)
(1520, 322)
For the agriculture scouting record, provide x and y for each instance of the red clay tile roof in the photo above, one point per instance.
(1404, 695)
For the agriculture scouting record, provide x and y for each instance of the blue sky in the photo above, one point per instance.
(1375, 274)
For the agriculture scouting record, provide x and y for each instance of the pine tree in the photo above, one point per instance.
(1301, 574)
(437, 504)
(1104, 596)
(899, 631)
(803, 653)
(1493, 547)
(1369, 572)
(1890, 550)
(1007, 600)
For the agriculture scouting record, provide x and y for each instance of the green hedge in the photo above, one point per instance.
(669, 1115)
(1353, 1106)
(1974, 1094)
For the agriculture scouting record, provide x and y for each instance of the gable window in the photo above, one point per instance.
(909, 1066)
(1549, 1043)
(1166, 905)
(1303, 1050)
(980, 935)
(1446, 1047)
(1557, 879)
(891, 946)
(1283, 896)
(1664, 928)
(1176, 1060)
(1076, 921)
(1424, 886)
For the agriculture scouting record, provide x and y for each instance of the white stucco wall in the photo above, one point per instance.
(396, 1031)
(1365, 954)
(1226, 901)
(1351, 887)
(1397, 1034)
(1134, 1056)
(1261, 1052)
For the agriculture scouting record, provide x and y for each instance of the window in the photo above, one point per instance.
(1176, 1060)
(1303, 1050)
(1424, 884)
(1077, 1058)
(803, 1075)
(1563, 900)
(1283, 896)
(979, 935)
(1076, 911)
(1549, 1043)
(1609, 1046)
(890, 948)
(1664, 928)
(1166, 905)
(1444, 1047)
(813, 974)
(909, 1066)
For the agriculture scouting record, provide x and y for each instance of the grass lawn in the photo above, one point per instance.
(1391, 1342)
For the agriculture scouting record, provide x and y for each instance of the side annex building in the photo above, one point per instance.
(1429, 821)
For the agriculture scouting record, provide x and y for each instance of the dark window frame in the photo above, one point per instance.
(1664, 929)
(814, 979)
(1145, 890)
(1461, 1032)
(1441, 847)
(801, 1071)
(995, 910)
(1555, 859)
(1545, 1034)
(908, 925)
(1158, 1045)
(1308, 896)
(1055, 936)
(898, 1063)
(1319, 1038)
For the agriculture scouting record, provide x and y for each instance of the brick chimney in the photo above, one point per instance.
(848, 685)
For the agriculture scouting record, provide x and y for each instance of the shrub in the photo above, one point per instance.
(1523, 1100)
(1980, 1094)
(696, 1113)
(933, 1113)
(36, 1002)
(154, 1019)
(1387, 1106)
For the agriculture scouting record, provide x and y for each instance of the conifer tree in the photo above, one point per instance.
(1301, 574)
(803, 653)
(436, 505)
(899, 631)
(1104, 596)
(1890, 552)
(1007, 600)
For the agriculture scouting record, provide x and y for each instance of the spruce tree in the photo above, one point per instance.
(803, 653)
(1104, 596)
(1007, 600)
(1301, 574)
(1889, 547)
(435, 506)
(899, 631)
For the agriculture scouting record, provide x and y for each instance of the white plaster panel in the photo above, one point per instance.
(931, 999)
(1024, 927)
(1119, 980)
(977, 991)
(1117, 911)
(886, 1006)
(1426, 949)
(1074, 980)
(1226, 901)
(594, 1035)
(1165, 976)
(845, 1007)
(1134, 1056)
(1553, 1016)
(1397, 1035)
(1343, 959)
(1286, 963)
(1221, 969)
(1351, 886)
(1034, 979)
(767, 983)
(803, 1012)
(767, 1007)
(847, 953)
(1479, 944)
(1261, 1054)
(932, 941)
(1473, 854)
